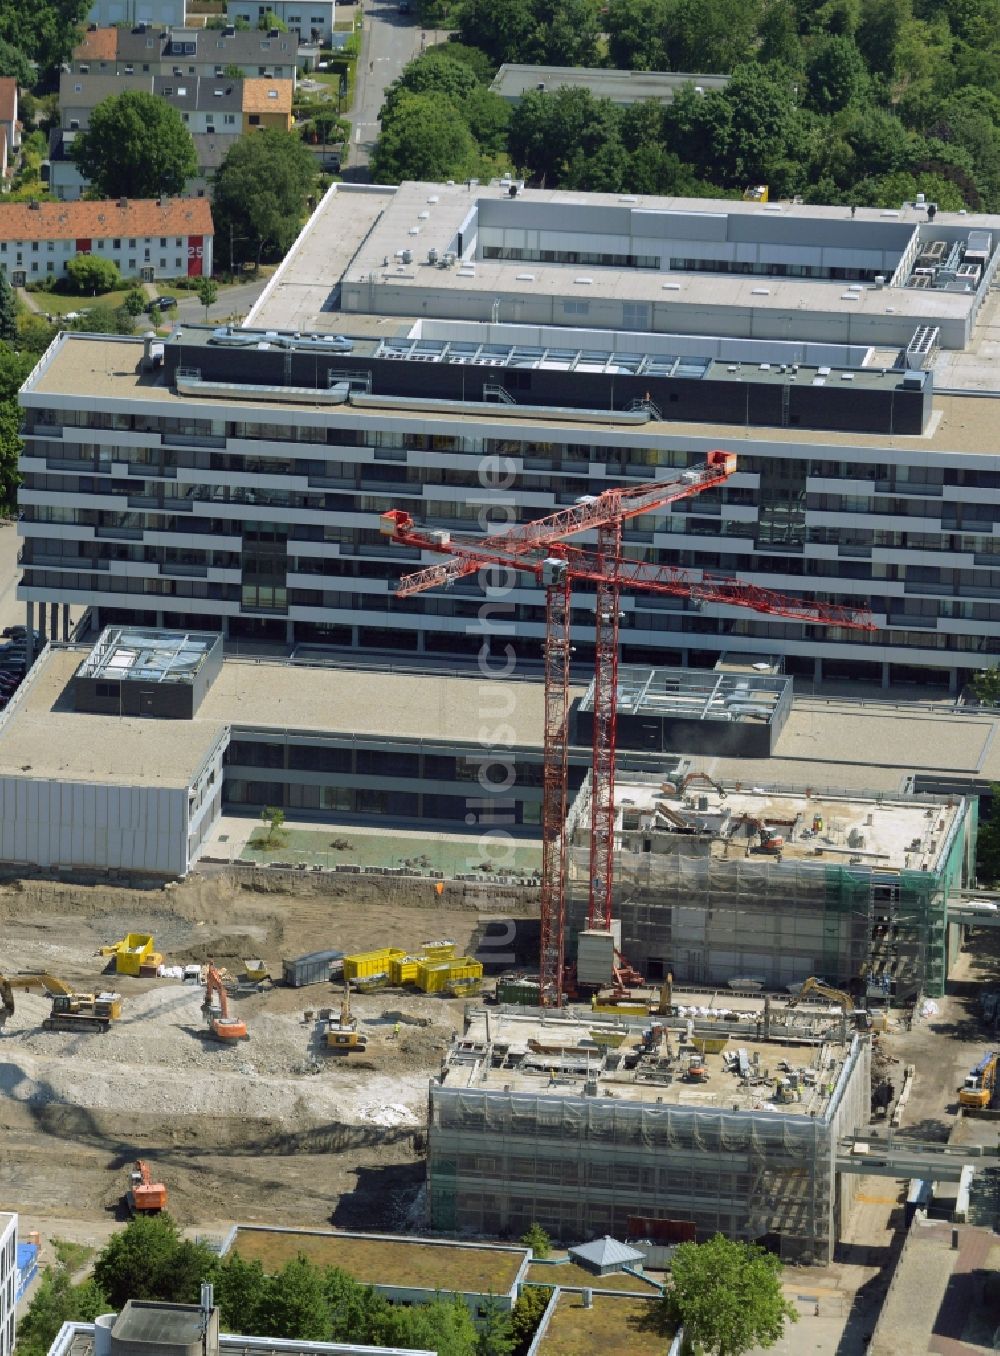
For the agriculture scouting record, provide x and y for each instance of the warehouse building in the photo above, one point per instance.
(513, 80)
(529, 349)
(773, 884)
(541, 1120)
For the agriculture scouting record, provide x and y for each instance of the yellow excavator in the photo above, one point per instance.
(70, 1011)
(343, 1037)
(812, 985)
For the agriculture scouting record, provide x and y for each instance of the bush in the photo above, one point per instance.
(91, 275)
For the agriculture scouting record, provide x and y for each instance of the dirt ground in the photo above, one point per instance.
(270, 1130)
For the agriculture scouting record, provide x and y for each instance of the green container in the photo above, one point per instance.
(520, 992)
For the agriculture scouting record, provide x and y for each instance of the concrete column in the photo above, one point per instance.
(289, 631)
(886, 675)
(225, 628)
(685, 658)
(43, 633)
(817, 670)
(953, 682)
(29, 639)
(355, 637)
(421, 642)
(65, 621)
(159, 620)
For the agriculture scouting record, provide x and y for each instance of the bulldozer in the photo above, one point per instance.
(70, 1011)
(343, 1036)
(144, 1196)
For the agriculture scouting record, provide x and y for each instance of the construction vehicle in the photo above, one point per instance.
(756, 193)
(144, 1196)
(862, 1019)
(343, 1036)
(222, 1024)
(697, 1070)
(540, 548)
(976, 1093)
(70, 1011)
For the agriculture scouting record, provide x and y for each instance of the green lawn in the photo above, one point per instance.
(58, 303)
(449, 855)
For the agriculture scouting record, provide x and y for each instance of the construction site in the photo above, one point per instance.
(769, 885)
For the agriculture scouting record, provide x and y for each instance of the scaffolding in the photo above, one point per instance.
(708, 911)
(586, 1165)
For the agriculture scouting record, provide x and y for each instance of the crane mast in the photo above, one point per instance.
(540, 548)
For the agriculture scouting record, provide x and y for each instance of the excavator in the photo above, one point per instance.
(343, 1037)
(862, 1019)
(70, 1011)
(144, 1196)
(222, 1024)
(976, 1093)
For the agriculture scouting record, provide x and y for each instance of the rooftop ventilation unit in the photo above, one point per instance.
(923, 347)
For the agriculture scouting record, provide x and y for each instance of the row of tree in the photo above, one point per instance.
(850, 101)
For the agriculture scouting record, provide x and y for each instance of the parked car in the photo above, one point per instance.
(18, 633)
(161, 303)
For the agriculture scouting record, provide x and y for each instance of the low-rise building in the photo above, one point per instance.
(148, 1328)
(202, 52)
(161, 13)
(512, 81)
(10, 128)
(145, 238)
(313, 20)
(220, 107)
(8, 1281)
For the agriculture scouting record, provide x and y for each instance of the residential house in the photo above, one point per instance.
(267, 103)
(209, 53)
(146, 238)
(212, 108)
(165, 13)
(10, 129)
(311, 19)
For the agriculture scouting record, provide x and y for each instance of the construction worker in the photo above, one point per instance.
(395, 1031)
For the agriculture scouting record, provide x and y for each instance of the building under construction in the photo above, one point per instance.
(721, 1120)
(769, 885)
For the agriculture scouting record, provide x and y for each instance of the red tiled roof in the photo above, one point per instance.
(99, 44)
(81, 220)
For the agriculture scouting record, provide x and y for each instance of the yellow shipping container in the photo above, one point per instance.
(619, 1009)
(404, 969)
(364, 963)
(438, 950)
(133, 952)
(435, 976)
(710, 1045)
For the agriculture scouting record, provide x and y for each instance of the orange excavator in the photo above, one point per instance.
(223, 1025)
(144, 1196)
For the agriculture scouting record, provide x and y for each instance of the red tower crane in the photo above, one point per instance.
(539, 548)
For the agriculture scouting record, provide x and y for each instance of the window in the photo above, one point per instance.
(116, 244)
(272, 94)
(230, 119)
(576, 307)
(163, 242)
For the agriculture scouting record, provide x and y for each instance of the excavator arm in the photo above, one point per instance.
(815, 986)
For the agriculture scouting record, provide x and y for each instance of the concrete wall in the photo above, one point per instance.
(78, 824)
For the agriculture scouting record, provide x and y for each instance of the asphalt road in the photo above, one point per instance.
(232, 301)
(389, 41)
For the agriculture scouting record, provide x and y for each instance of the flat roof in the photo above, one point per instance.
(612, 1325)
(96, 368)
(157, 1324)
(886, 834)
(621, 87)
(41, 733)
(558, 1059)
(42, 736)
(383, 1259)
(697, 694)
(872, 745)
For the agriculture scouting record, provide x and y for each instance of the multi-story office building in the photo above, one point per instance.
(510, 352)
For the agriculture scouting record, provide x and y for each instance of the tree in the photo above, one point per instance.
(134, 302)
(260, 194)
(836, 74)
(495, 1330)
(57, 1301)
(8, 310)
(91, 275)
(136, 147)
(148, 1259)
(529, 1307)
(728, 1296)
(710, 35)
(423, 139)
(241, 1293)
(294, 1304)
(986, 686)
(14, 368)
(268, 20)
(636, 35)
(535, 1238)
(273, 818)
(14, 63)
(103, 320)
(208, 294)
(45, 31)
